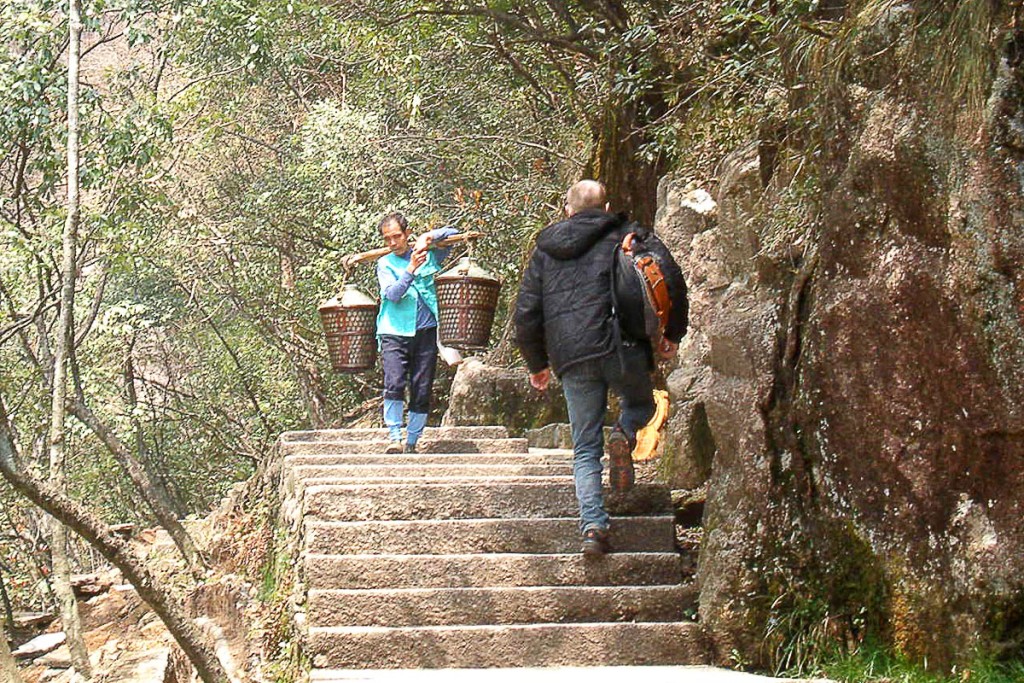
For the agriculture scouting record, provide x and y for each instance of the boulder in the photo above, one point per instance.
(90, 585)
(489, 395)
(40, 645)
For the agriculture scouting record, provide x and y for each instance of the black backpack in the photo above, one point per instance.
(640, 296)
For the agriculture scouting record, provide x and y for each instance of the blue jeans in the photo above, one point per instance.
(586, 396)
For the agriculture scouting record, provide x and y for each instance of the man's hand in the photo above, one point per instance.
(417, 259)
(423, 241)
(666, 349)
(540, 380)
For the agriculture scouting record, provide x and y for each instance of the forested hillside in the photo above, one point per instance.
(158, 322)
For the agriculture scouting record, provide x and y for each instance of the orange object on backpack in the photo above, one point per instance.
(653, 280)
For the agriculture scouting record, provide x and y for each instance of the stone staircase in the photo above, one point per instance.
(467, 556)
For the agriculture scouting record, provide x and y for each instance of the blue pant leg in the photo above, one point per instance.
(394, 411)
(586, 397)
(417, 422)
(422, 367)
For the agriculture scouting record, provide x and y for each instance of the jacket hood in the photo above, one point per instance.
(574, 236)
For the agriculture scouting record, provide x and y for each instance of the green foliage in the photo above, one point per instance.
(820, 601)
(871, 664)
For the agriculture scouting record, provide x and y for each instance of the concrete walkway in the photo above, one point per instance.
(605, 674)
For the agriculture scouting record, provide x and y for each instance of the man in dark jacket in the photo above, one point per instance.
(564, 324)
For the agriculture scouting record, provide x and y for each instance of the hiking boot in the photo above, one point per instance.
(410, 448)
(394, 448)
(620, 460)
(595, 542)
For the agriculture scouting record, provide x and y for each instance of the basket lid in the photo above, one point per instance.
(465, 268)
(351, 297)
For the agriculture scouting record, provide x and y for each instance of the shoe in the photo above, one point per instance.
(394, 448)
(595, 542)
(620, 461)
(410, 448)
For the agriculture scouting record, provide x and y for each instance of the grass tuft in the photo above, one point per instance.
(872, 664)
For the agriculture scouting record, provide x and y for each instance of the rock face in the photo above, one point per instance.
(853, 392)
(488, 395)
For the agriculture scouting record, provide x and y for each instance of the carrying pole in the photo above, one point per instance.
(353, 259)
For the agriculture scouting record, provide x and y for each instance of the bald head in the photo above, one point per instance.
(586, 194)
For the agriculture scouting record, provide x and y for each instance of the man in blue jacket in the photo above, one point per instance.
(564, 324)
(407, 325)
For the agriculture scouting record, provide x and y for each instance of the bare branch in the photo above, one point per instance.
(94, 310)
(207, 77)
(524, 73)
(569, 42)
(117, 550)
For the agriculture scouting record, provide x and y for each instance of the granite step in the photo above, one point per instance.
(462, 500)
(497, 569)
(615, 644)
(498, 605)
(381, 434)
(417, 470)
(425, 445)
(552, 535)
(532, 458)
(594, 673)
(466, 555)
(303, 484)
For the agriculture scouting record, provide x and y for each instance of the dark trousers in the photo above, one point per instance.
(412, 361)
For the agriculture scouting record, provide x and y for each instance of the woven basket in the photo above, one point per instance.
(467, 296)
(350, 325)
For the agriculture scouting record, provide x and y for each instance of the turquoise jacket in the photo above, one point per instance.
(400, 318)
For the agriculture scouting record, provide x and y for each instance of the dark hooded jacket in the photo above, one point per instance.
(564, 309)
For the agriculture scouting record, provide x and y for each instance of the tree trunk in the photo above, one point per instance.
(118, 552)
(8, 669)
(8, 608)
(311, 389)
(618, 160)
(61, 576)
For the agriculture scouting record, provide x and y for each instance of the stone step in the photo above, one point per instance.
(559, 535)
(425, 445)
(499, 569)
(612, 644)
(415, 471)
(504, 605)
(380, 433)
(411, 481)
(534, 458)
(593, 673)
(455, 500)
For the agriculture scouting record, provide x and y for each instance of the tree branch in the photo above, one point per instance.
(117, 550)
(524, 73)
(569, 42)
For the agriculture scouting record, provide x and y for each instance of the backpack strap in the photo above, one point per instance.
(616, 325)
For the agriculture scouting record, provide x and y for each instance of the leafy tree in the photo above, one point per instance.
(607, 66)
